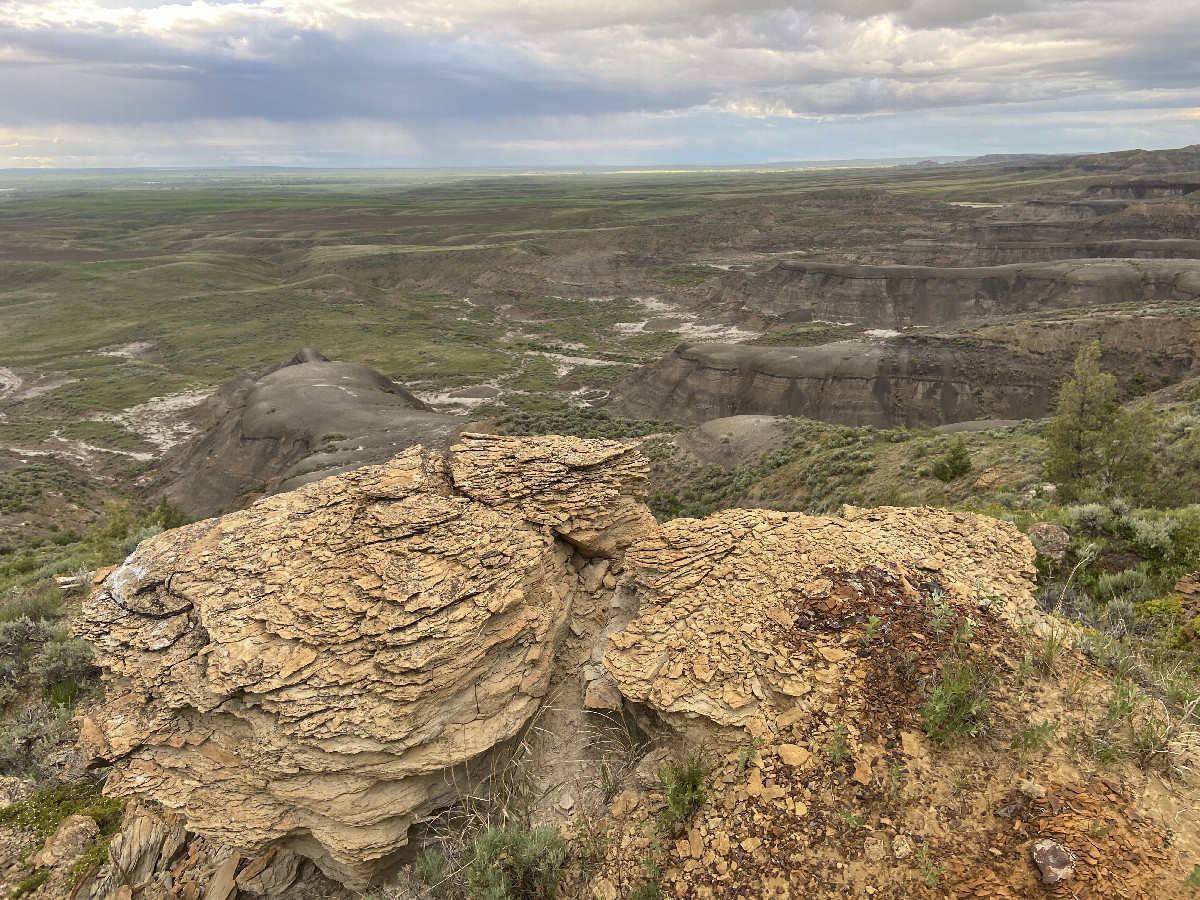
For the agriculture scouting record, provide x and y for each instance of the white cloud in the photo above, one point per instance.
(449, 73)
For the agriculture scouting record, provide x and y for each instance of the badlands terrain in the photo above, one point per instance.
(732, 533)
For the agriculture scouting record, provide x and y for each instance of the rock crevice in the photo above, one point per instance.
(320, 673)
(323, 668)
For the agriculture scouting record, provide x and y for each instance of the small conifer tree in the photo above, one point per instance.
(1093, 444)
(955, 463)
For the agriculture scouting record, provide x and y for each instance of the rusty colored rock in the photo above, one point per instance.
(715, 599)
(1054, 861)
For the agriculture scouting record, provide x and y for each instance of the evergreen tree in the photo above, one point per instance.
(955, 463)
(1093, 444)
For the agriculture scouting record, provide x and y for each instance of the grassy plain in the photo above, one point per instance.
(118, 287)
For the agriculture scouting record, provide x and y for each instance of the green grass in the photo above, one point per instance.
(30, 884)
(42, 812)
(809, 335)
(683, 788)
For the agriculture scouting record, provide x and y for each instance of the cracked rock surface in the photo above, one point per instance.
(745, 617)
(317, 672)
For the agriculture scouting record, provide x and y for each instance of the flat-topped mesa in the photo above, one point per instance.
(320, 670)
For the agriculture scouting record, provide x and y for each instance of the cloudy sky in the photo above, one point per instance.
(575, 82)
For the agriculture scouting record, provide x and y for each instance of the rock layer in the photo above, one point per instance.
(1001, 372)
(908, 381)
(323, 669)
(730, 630)
(903, 296)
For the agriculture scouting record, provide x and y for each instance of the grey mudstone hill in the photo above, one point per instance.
(292, 424)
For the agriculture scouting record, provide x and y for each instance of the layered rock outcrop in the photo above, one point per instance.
(1001, 372)
(903, 296)
(908, 381)
(749, 619)
(322, 670)
(319, 673)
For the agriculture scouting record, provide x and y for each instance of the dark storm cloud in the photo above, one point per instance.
(312, 76)
(450, 78)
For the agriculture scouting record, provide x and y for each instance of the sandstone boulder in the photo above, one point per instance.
(325, 669)
(747, 616)
(70, 840)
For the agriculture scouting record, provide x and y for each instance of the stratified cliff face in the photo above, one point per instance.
(909, 382)
(902, 296)
(1002, 372)
(319, 669)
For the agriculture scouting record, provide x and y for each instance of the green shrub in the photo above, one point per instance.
(838, 751)
(36, 603)
(1092, 517)
(66, 661)
(514, 864)
(959, 700)
(652, 890)
(122, 528)
(433, 868)
(1167, 607)
(25, 743)
(1152, 537)
(585, 423)
(18, 642)
(1130, 584)
(1035, 737)
(955, 463)
(683, 787)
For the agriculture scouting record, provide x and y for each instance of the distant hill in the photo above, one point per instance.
(1132, 162)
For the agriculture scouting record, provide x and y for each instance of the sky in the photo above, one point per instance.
(527, 83)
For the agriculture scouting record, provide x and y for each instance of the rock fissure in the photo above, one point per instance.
(330, 716)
